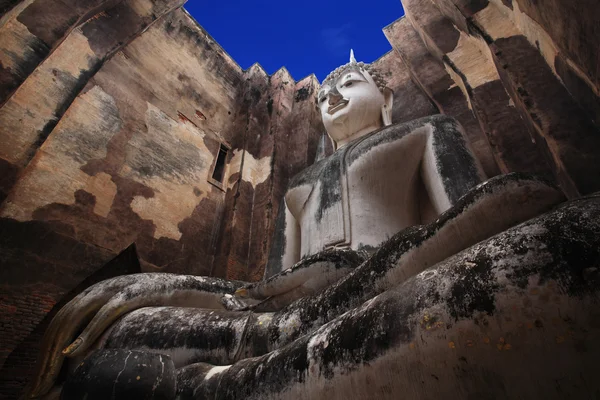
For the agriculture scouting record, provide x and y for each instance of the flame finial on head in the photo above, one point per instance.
(352, 59)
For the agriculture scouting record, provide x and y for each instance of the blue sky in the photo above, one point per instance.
(304, 36)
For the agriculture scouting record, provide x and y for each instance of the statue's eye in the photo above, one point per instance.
(348, 84)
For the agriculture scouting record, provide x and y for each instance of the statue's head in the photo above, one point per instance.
(354, 101)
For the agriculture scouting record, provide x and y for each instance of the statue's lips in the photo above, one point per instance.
(337, 106)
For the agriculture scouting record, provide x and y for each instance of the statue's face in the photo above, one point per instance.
(351, 105)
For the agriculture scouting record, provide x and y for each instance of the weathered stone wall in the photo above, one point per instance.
(112, 137)
(49, 51)
(521, 77)
(410, 101)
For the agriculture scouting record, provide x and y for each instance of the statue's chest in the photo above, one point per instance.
(360, 196)
(318, 204)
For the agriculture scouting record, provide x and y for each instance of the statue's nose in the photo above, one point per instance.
(334, 98)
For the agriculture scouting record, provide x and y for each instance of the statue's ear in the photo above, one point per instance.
(386, 111)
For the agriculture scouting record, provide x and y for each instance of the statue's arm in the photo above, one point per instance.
(285, 247)
(291, 254)
(449, 168)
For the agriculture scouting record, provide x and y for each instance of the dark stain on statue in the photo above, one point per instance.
(331, 191)
(274, 263)
(572, 247)
(369, 331)
(215, 345)
(474, 291)
(119, 373)
(452, 155)
(340, 258)
(356, 288)
(358, 340)
(247, 379)
(385, 135)
(327, 175)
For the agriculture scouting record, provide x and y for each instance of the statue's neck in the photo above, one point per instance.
(362, 132)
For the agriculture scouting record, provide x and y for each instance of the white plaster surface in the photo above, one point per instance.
(174, 198)
(253, 170)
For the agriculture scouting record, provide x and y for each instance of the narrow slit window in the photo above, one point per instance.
(219, 171)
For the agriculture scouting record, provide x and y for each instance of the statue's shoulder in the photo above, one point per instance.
(394, 132)
(388, 134)
(311, 174)
(397, 131)
(301, 186)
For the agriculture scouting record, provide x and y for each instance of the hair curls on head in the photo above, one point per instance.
(375, 74)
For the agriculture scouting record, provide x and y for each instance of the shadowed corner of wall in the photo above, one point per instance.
(19, 366)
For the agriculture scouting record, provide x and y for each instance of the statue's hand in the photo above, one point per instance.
(309, 276)
(235, 303)
(103, 303)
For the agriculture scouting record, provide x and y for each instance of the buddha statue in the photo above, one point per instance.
(382, 178)
(395, 269)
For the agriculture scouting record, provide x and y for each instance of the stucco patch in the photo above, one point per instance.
(496, 21)
(472, 59)
(254, 171)
(172, 159)
(72, 54)
(105, 190)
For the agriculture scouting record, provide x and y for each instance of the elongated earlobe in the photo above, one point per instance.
(386, 110)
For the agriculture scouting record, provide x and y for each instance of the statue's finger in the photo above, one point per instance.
(163, 290)
(321, 269)
(65, 325)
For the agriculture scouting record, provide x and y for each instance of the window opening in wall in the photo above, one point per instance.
(219, 171)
